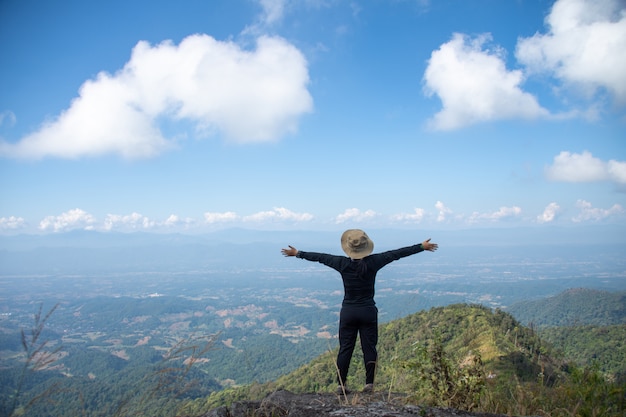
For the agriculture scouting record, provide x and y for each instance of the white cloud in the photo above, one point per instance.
(590, 213)
(549, 213)
(443, 211)
(202, 83)
(417, 216)
(279, 213)
(502, 213)
(173, 220)
(474, 85)
(272, 13)
(214, 217)
(573, 167)
(616, 171)
(70, 220)
(354, 214)
(12, 223)
(137, 221)
(273, 10)
(584, 45)
(134, 221)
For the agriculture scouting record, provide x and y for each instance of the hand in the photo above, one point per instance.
(426, 245)
(289, 252)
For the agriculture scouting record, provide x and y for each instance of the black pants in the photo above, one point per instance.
(364, 322)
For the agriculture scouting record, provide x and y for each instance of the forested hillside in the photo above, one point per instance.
(603, 347)
(584, 325)
(576, 307)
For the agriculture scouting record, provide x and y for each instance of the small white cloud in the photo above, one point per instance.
(474, 85)
(12, 223)
(273, 10)
(416, 217)
(225, 217)
(502, 213)
(549, 213)
(584, 167)
(584, 45)
(174, 220)
(279, 213)
(590, 213)
(70, 220)
(572, 167)
(272, 13)
(202, 84)
(442, 210)
(133, 221)
(354, 214)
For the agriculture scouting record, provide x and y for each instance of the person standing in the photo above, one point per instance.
(359, 314)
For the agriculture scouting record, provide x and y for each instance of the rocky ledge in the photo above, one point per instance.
(284, 403)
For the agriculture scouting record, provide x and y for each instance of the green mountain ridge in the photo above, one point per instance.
(459, 356)
(507, 351)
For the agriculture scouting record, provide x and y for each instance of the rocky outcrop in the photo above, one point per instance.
(284, 403)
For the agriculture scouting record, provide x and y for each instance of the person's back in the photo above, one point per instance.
(358, 284)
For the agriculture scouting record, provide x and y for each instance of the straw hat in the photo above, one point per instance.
(356, 244)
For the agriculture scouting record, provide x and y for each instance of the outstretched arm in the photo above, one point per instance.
(332, 261)
(426, 245)
(289, 252)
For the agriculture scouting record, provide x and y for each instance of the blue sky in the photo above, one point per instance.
(192, 116)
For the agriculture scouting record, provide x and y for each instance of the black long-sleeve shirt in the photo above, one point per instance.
(359, 276)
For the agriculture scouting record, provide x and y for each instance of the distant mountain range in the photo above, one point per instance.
(385, 238)
(90, 251)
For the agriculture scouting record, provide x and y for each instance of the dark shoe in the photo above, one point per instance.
(341, 390)
(368, 388)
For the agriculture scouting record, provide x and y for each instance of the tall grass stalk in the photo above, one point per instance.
(37, 358)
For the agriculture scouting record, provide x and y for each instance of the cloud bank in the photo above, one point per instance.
(203, 85)
(78, 219)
